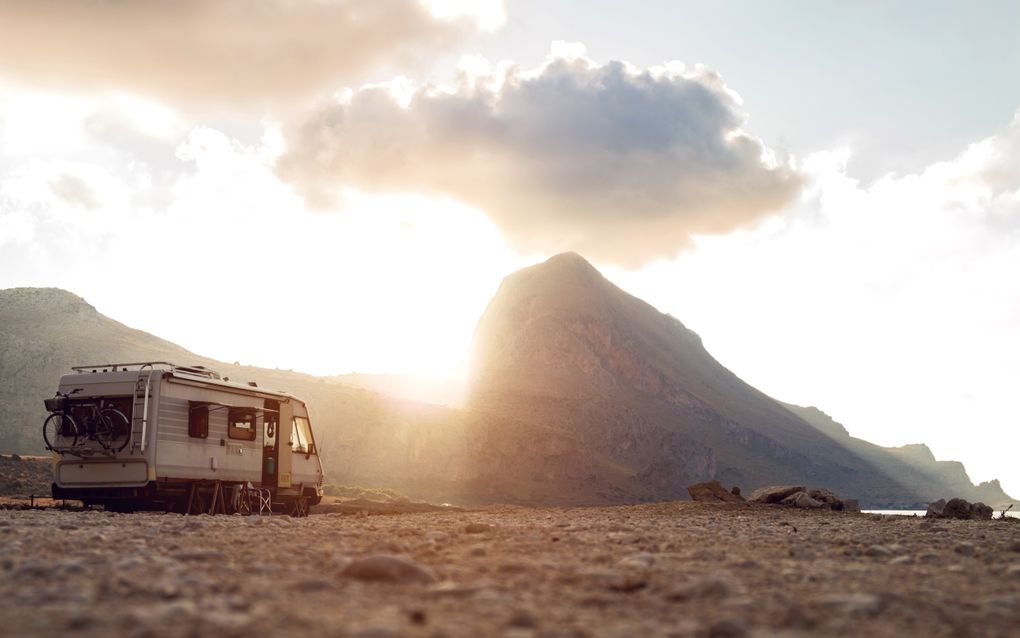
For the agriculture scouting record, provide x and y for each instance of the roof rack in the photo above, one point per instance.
(196, 370)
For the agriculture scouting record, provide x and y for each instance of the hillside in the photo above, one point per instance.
(365, 437)
(562, 347)
(582, 394)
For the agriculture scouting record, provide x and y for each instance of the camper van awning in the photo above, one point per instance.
(226, 386)
(216, 405)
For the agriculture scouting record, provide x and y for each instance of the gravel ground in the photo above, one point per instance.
(668, 569)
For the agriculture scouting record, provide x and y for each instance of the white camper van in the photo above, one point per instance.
(155, 435)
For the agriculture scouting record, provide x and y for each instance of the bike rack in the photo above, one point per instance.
(83, 450)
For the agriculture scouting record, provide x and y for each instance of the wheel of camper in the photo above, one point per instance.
(60, 431)
(109, 426)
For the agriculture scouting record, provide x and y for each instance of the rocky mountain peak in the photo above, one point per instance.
(566, 276)
(25, 303)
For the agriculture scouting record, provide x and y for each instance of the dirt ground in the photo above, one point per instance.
(668, 569)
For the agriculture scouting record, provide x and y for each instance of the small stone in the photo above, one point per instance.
(447, 589)
(965, 549)
(522, 618)
(713, 587)
(851, 604)
(478, 528)
(1013, 571)
(80, 621)
(388, 568)
(637, 561)
(728, 628)
(878, 550)
(200, 555)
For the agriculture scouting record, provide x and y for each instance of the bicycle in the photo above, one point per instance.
(102, 424)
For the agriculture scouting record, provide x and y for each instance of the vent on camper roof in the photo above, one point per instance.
(200, 371)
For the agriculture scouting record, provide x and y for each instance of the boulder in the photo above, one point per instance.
(851, 505)
(713, 492)
(935, 509)
(980, 512)
(774, 493)
(828, 497)
(958, 508)
(803, 501)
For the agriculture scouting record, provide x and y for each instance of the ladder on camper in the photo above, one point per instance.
(140, 408)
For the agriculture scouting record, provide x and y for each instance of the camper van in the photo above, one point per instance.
(159, 436)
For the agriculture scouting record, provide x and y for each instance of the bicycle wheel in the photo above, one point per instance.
(110, 426)
(60, 431)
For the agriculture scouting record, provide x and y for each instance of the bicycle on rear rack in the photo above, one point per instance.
(100, 422)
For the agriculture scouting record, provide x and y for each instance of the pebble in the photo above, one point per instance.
(728, 628)
(388, 568)
(522, 618)
(637, 561)
(853, 604)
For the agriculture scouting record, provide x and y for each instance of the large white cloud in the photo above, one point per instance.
(621, 164)
(232, 52)
(162, 211)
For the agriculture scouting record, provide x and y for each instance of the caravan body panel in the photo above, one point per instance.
(188, 426)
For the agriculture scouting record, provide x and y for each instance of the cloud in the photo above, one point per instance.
(621, 164)
(88, 225)
(221, 52)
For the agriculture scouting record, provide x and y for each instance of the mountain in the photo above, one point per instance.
(913, 464)
(366, 438)
(581, 394)
(650, 410)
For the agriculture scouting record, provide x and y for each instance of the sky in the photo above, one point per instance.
(829, 194)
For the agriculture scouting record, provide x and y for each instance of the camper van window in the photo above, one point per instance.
(301, 435)
(241, 423)
(198, 419)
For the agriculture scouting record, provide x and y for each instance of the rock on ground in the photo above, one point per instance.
(803, 501)
(960, 509)
(774, 493)
(714, 492)
(666, 569)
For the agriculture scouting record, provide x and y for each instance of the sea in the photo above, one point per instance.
(1011, 514)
